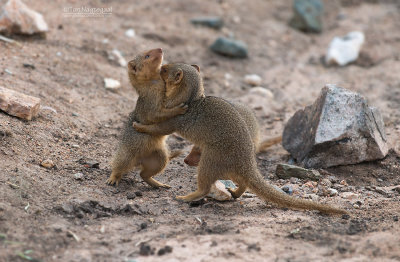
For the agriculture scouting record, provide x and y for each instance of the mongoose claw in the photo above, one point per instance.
(112, 181)
(183, 108)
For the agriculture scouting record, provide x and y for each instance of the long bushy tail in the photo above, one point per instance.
(269, 193)
(174, 154)
(268, 143)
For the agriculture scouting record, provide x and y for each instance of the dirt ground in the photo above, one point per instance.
(48, 215)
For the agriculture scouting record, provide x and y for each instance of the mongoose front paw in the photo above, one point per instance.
(183, 108)
(112, 181)
(138, 127)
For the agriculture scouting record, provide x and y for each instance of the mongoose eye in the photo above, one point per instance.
(164, 70)
(147, 56)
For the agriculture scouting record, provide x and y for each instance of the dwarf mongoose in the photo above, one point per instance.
(252, 124)
(138, 149)
(217, 128)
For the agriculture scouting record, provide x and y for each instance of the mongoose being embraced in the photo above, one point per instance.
(252, 124)
(215, 126)
(138, 149)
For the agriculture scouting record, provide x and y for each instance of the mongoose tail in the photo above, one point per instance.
(269, 193)
(264, 145)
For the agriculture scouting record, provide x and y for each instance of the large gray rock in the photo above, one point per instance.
(338, 129)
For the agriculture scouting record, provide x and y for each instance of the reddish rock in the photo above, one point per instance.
(18, 104)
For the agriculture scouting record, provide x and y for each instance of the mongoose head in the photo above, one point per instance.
(183, 83)
(145, 67)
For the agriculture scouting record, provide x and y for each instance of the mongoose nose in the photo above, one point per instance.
(159, 50)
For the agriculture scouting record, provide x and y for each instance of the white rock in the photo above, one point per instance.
(343, 50)
(349, 195)
(111, 84)
(130, 33)
(254, 80)
(118, 56)
(78, 176)
(16, 17)
(219, 192)
(261, 91)
(332, 192)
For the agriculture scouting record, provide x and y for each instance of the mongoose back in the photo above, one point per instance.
(138, 149)
(218, 129)
(252, 124)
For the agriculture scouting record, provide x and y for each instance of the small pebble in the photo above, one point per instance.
(288, 190)
(332, 192)
(146, 250)
(8, 71)
(229, 47)
(78, 176)
(111, 84)
(130, 33)
(131, 196)
(47, 163)
(138, 193)
(164, 250)
(143, 225)
(254, 80)
(349, 195)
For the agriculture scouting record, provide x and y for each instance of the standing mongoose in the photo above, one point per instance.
(217, 128)
(252, 124)
(138, 149)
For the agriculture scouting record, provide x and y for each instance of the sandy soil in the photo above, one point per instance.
(48, 215)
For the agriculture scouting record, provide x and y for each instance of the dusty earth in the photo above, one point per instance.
(48, 215)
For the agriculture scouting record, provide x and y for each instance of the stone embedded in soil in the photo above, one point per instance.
(219, 192)
(307, 15)
(288, 189)
(47, 163)
(229, 47)
(111, 84)
(164, 250)
(349, 195)
(130, 33)
(146, 250)
(253, 79)
(78, 176)
(18, 104)
(332, 192)
(211, 21)
(285, 171)
(17, 18)
(344, 50)
(338, 129)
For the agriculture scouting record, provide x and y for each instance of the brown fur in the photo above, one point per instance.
(249, 117)
(138, 149)
(218, 129)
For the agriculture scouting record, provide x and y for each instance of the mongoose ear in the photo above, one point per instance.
(178, 76)
(197, 67)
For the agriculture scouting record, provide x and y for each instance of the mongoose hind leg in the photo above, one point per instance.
(236, 193)
(123, 162)
(205, 179)
(153, 165)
